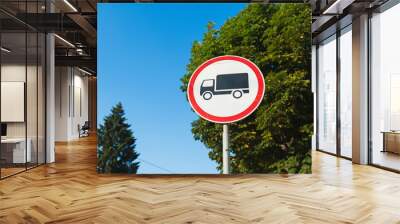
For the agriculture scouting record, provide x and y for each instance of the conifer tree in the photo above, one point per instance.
(116, 144)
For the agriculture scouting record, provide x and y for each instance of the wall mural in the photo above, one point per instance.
(204, 88)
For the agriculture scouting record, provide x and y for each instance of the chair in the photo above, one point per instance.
(84, 130)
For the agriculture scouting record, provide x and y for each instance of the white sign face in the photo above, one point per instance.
(226, 89)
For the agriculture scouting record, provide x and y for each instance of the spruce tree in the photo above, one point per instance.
(116, 144)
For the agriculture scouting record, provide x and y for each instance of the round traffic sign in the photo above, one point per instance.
(226, 89)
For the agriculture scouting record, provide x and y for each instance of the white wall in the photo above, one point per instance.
(71, 102)
(80, 110)
(62, 82)
(16, 73)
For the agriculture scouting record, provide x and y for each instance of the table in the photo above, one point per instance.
(391, 141)
(17, 150)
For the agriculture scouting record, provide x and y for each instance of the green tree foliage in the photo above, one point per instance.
(276, 138)
(116, 144)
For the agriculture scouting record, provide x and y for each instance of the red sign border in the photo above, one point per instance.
(229, 119)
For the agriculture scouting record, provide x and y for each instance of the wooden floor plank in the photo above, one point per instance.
(70, 191)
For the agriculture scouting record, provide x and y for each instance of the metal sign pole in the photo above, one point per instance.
(225, 149)
(221, 105)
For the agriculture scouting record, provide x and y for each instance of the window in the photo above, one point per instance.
(346, 92)
(14, 155)
(385, 89)
(208, 83)
(327, 95)
(22, 93)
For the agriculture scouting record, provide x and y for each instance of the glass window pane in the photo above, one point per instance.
(385, 89)
(31, 97)
(346, 93)
(13, 86)
(22, 90)
(41, 98)
(327, 95)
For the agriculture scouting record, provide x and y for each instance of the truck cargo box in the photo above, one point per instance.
(232, 81)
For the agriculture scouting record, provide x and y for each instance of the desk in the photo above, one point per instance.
(391, 141)
(19, 154)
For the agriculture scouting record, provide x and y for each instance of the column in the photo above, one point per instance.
(360, 90)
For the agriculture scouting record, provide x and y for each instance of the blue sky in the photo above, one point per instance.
(143, 50)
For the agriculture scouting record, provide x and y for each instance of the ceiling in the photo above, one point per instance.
(73, 21)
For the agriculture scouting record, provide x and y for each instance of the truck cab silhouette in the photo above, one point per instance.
(236, 84)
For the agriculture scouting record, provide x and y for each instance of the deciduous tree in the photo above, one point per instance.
(276, 138)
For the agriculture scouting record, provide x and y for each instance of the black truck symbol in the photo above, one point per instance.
(235, 84)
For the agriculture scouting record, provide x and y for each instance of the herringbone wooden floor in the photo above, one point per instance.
(70, 191)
